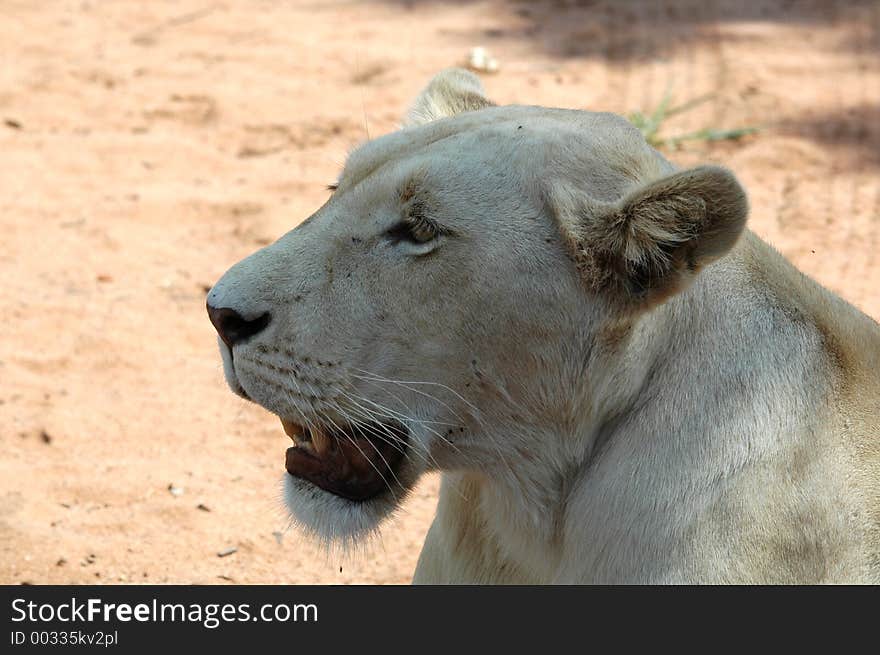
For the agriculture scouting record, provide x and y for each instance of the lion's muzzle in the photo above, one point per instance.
(356, 461)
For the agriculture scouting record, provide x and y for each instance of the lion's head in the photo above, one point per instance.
(445, 308)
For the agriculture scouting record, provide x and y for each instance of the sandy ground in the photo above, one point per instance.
(145, 147)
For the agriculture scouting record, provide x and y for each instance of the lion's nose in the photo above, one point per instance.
(233, 327)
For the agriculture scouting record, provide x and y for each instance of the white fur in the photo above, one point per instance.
(718, 424)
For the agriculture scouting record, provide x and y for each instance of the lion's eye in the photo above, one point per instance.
(418, 230)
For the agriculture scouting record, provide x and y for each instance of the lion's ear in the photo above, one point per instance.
(651, 243)
(449, 92)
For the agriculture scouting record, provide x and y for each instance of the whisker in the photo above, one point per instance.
(308, 424)
(435, 462)
(475, 414)
(372, 417)
(376, 417)
(357, 427)
(378, 378)
(368, 418)
(382, 408)
(404, 405)
(375, 468)
(434, 384)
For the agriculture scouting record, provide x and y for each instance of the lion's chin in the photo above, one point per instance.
(332, 519)
(343, 479)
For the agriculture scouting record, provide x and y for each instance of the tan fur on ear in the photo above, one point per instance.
(449, 92)
(649, 244)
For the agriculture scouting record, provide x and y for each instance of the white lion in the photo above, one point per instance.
(619, 382)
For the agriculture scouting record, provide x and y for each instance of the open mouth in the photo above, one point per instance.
(356, 461)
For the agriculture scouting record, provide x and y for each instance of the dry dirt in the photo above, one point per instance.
(146, 147)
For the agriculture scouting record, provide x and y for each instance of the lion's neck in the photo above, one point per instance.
(651, 414)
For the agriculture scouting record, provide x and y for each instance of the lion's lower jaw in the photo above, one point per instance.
(333, 520)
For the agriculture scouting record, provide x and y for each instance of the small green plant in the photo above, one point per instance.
(650, 124)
